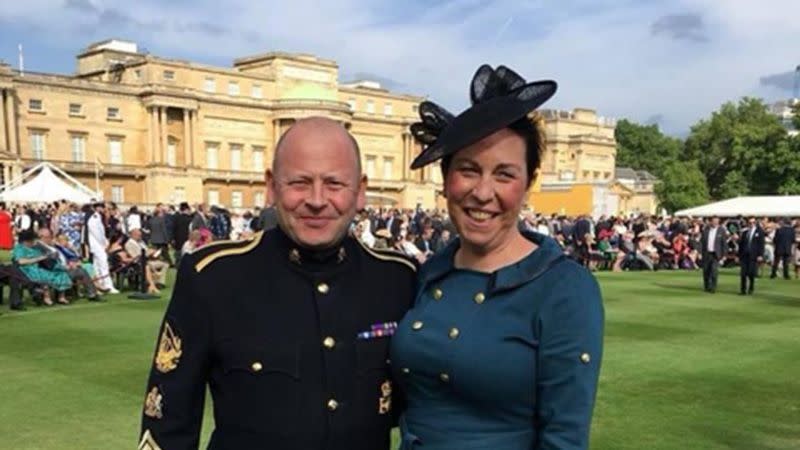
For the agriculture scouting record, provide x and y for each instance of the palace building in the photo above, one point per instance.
(142, 129)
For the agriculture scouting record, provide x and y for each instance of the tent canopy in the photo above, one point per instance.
(46, 186)
(760, 206)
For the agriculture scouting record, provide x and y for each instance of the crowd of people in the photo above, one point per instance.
(54, 242)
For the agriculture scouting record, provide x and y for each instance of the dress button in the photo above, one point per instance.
(416, 325)
(406, 370)
(256, 366)
(437, 294)
(323, 288)
(585, 358)
(329, 342)
(479, 298)
(332, 405)
(444, 377)
(454, 333)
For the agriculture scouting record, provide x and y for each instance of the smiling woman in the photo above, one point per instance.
(505, 339)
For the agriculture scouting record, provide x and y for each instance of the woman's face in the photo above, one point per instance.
(485, 187)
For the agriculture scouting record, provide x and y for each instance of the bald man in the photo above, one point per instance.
(289, 329)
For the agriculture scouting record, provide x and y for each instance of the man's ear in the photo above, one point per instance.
(361, 202)
(269, 179)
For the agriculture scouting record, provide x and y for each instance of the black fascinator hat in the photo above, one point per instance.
(499, 97)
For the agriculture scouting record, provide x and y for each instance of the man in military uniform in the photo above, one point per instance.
(289, 329)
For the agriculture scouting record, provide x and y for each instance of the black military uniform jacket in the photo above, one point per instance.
(291, 344)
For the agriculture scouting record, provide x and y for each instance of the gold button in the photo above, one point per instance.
(416, 325)
(444, 377)
(332, 405)
(257, 366)
(479, 298)
(406, 370)
(329, 342)
(323, 288)
(453, 333)
(585, 358)
(437, 294)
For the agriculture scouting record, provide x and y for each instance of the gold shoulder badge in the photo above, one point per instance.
(148, 443)
(388, 255)
(385, 402)
(234, 248)
(154, 404)
(170, 349)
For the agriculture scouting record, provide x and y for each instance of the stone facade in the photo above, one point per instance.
(145, 129)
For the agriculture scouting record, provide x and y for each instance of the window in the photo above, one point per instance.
(169, 75)
(171, 153)
(35, 104)
(178, 194)
(259, 199)
(115, 150)
(75, 109)
(38, 144)
(370, 166)
(236, 157)
(388, 167)
(213, 197)
(112, 113)
(212, 155)
(255, 92)
(352, 103)
(387, 109)
(78, 142)
(236, 199)
(117, 194)
(233, 88)
(258, 158)
(370, 107)
(137, 74)
(210, 85)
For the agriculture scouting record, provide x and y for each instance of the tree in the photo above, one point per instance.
(644, 147)
(742, 149)
(681, 185)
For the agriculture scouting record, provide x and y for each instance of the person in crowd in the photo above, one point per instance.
(72, 267)
(98, 243)
(526, 374)
(298, 355)
(713, 244)
(6, 228)
(180, 230)
(159, 233)
(30, 258)
(751, 253)
(155, 268)
(783, 241)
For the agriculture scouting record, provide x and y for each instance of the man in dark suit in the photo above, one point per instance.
(713, 243)
(751, 252)
(783, 240)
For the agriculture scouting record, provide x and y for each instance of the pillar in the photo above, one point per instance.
(3, 141)
(12, 123)
(152, 132)
(186, 137)
(163, 134)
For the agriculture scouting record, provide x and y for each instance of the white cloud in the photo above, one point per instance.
(602, 52)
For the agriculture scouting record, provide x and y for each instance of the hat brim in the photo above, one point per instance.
(483, 119)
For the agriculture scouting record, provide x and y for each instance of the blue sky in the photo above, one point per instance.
(668, 62)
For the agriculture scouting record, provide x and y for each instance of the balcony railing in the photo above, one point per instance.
(89, 167)
(233, 175)
(303, 102)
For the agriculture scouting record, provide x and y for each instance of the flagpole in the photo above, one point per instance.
(96, 176)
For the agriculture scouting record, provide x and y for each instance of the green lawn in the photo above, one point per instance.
(682, 369)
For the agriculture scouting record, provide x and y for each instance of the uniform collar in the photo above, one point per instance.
(529, 268)
(311, 258)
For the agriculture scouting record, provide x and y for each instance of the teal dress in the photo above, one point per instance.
(507, 360)
(58, 279)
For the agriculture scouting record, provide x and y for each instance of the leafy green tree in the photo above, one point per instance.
(681, 185)
(644, 147)
(742, 149)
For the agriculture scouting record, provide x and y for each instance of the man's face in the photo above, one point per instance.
(45, 236)
(316, 186)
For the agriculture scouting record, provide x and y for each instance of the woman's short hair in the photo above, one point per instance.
(531, 129)
(27, 236)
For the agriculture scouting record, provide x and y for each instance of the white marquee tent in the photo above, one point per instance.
(42, 184)
(759, 206)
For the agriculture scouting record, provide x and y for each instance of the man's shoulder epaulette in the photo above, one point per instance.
(388, 255)
(220, 249)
